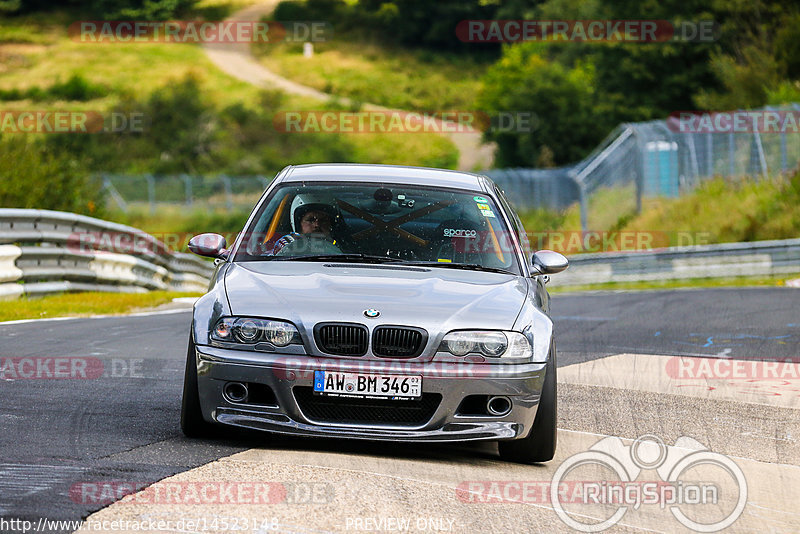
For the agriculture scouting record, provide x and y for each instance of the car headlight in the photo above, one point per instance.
(503, 346)
(249, 330)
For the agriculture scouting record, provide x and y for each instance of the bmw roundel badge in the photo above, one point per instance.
(371, 313)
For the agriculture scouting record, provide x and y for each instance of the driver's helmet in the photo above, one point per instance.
(305, 202)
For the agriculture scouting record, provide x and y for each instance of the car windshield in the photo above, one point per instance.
(380, 223)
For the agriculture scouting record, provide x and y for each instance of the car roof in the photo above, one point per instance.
(352, 172)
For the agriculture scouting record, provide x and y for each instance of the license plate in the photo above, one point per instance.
(355, 384)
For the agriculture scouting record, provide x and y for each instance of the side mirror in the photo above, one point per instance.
(549, 262)
(209, 245)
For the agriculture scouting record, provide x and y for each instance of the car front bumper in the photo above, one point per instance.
(521, 383)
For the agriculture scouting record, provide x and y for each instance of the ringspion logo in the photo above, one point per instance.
(592, 490)
(692, 477)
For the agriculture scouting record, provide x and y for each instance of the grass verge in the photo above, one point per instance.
(703, 283)
(36, 54)
(367, 72)
(717, 211)
(84, 304)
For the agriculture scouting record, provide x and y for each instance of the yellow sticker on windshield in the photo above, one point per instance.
(484, 207)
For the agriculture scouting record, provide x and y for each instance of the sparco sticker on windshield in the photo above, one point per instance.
(459, 232)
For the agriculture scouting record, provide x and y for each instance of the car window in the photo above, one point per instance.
(409, 223)
(522, 235)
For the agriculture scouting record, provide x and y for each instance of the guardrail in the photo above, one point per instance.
(757, 258)
(44, 252)
(49, 256)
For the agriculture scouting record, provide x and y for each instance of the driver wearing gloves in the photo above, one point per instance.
(312, 219)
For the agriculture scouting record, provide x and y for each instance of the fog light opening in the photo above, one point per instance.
(235, 392)
(498, 406)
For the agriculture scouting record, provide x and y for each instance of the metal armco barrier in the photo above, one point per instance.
(50, 254)
(758, 258)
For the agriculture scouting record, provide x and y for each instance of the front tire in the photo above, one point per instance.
(540, 443)
(192, 423)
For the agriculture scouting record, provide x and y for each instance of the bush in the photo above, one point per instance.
(568, 124)
(106, 9)
(33, 177)
(185, 133)
(413, 24)
(75, 88)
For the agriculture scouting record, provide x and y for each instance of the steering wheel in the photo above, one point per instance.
(310, 245)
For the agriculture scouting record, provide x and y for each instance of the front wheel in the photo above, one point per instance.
(540, 443)
(192, 423)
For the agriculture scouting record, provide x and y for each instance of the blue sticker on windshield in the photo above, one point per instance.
(480, 199)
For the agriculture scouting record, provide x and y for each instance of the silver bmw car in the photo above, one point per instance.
(377, 302)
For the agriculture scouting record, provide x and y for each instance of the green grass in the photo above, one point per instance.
(701, 283)
(747, 210)
(391, 77)
(718, 211)
(175, 225)
(137, 69)
(84, 304)
(217, 9)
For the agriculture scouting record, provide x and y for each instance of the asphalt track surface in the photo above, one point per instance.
(123, 425)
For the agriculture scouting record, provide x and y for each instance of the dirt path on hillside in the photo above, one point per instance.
(238, 61)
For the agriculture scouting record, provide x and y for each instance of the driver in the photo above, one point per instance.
(312, 218)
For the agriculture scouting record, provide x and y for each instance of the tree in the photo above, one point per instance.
(562, 100)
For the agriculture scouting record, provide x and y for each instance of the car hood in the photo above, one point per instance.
(436, 299)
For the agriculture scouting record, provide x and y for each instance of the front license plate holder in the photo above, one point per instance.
(361, 385)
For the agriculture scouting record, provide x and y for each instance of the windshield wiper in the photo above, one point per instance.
(468, 266)
(363, 258)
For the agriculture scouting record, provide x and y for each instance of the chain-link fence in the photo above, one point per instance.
(645, 159)
(228, 192)
(664, 158)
